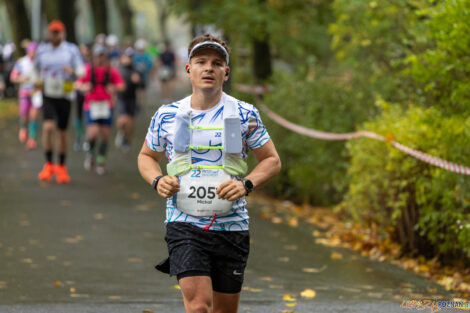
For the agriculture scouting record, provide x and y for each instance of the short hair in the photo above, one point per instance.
(207, 37)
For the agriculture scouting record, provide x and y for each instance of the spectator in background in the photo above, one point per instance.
(126, 101)
(166, 71)
(143, 64)
(100, 82)
(23, 74)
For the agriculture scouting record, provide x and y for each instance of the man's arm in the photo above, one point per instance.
(148, 163)
(269, 165)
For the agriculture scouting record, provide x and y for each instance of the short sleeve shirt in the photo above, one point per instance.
(160, 137)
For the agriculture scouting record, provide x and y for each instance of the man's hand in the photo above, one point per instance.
(167, 186)
(231, 190)
(68, 69)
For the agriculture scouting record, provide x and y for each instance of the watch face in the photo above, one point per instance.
(248, 185)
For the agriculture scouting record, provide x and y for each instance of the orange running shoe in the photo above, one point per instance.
(47, 172)
(62, 176)
(23, 135)
(31, 143)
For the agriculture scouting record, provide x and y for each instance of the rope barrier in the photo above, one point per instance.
(260, 90)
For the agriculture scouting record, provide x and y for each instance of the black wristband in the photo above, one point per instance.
(155, 182)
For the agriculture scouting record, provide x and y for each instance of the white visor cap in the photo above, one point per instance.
(209, 45)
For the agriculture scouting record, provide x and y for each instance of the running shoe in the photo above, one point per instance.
(47, 172)
(23, 135)
(62, 176)
(31, 143)
(118, 141)
(100, 169)
(89, 162)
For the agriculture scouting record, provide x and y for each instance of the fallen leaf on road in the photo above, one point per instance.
(283, 259)
(293, 222)
(291, 304)
(308, 293)
(57, 284)
(27, 261)
(276, 286)
(98, 216)
(74, 240)
(266, 278)
(314, 270)
(3, 284)
(72, 290)
(288, 297)
(135, 195)
(79, 295)
(114, 297)
(51, 258)
(287, 311)
(147, 311)
(276, 220)
(336, 256)
(134, 260)
(176, 287)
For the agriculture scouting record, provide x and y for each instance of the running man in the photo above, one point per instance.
(166, 71)
(59, 63)
(23, 74)
(100, 82)
(127, 101)
(206, 137)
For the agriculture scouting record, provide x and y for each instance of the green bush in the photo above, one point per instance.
(315, 170)
(427, 207)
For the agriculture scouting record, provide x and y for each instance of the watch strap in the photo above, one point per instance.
(155, 181)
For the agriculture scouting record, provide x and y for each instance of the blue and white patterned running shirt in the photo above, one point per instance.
(160, 137)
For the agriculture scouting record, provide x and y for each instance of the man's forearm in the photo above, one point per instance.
(148, 168)
(264, 171)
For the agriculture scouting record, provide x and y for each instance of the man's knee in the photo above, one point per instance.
(199, 307)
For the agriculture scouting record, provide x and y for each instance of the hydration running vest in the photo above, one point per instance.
(198, 183)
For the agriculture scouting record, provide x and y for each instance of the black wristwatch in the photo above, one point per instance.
(155, 182)
(248, 185)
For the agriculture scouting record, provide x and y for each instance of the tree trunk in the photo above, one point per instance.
(19, 21)
(163, 17)
(67, 14)
(51, 9)
(261, 60)
(100, 16)
(261, 56)
(126, 15)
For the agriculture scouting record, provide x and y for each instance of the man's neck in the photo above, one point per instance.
(201, 100)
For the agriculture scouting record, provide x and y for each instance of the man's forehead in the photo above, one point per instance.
(209, 53)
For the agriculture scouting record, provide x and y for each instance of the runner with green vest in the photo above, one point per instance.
(206, 137)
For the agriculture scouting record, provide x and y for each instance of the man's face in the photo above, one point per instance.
(207, 69)
(56, 36)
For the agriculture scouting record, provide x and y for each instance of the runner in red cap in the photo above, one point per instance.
(59, 64)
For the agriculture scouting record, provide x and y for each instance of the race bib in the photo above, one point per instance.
(54, 87)
(197, 195)
(100, 110)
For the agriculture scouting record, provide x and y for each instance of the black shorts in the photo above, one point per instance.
(221, 255)
(58, 110)
(127, 106)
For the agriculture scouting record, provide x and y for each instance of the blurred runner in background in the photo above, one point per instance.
(166, 71)
(127, 101)
(100, 82)
(143, 64)
(23, 74)
(59, 63)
